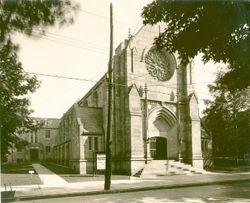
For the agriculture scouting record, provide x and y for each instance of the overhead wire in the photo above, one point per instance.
(64, 37)
(89, 80)
(69, 41)
(54, 39)
(103, 17)
(58, 93)
(60, 76)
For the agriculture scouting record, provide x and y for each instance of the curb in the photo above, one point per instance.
(136, 189)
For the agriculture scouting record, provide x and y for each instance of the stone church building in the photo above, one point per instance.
(154, 108)
(154, 112)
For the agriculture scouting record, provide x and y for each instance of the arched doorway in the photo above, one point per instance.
(162, 134)
(158, 148)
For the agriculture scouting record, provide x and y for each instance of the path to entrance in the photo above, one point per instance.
(48, 177)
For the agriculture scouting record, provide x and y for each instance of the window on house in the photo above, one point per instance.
(36, 138)
(31, 138)
(47, 134)
(47, 149)
(19, 149)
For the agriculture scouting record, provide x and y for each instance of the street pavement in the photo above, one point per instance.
(50, 188)
(225, 193)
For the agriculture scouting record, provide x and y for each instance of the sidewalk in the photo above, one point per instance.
(49, 178)
(62, 189)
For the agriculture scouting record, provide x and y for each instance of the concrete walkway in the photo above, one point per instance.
(48, 178)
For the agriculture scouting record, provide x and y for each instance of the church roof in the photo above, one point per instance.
(91, 119)
(49, 122)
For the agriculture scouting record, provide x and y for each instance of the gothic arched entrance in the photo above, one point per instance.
(158, 148)
(162, 134)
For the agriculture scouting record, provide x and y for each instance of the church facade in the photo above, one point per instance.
(154, 107)
(154, 113)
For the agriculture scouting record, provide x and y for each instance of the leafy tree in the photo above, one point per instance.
(223, 117)
(220, 30)
(15, 84)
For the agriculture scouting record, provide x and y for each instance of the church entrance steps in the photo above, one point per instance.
(138, 173)
(157, 168)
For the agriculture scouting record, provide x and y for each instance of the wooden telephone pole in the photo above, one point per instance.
(109, 130)
(146, 124)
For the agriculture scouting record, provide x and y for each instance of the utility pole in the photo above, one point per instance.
(146, 124)
(109, 130)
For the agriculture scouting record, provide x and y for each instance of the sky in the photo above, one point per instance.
(81, 50)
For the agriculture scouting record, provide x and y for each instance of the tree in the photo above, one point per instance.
(220, 30)
(15, 84)
(223, 119)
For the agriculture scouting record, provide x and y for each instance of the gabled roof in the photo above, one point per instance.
(90, 119)
(49, 122)
(98, 83)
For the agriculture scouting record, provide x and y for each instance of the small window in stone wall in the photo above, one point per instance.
(95, 98)
(36, 138)
(172, 96)
(47, 149)
(47, 134)
(31, 137)
(19, 149)
(93, 143)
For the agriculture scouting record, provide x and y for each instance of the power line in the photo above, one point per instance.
(163, 85)
(91, 13)
(70, 44)
(59, 93)
(60, 76)
(123, 85)
(71, 39)
(103, 17)
(89, 80)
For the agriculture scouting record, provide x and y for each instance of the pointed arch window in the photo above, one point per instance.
(95, 98)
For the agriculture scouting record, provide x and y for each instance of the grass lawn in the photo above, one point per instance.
(71, 176)
(58, 169)
(18, 174)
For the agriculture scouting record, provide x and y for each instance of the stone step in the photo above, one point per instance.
(157, 168)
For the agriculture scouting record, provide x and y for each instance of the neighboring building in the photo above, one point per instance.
(39, 144)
